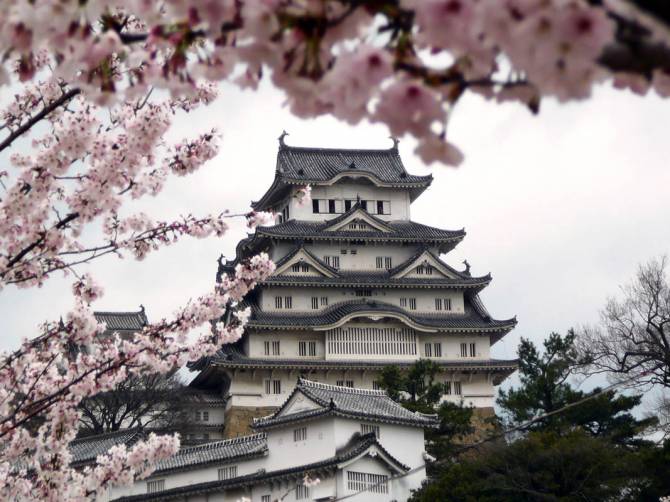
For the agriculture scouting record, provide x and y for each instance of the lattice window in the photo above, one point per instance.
(295, 267)
(388, 262)
(379, 261)
(447, 304)
(205, 416)
(315, 302)
(345, 383)
(300, 434)
(227, 472)
(372, 341)
(403, 302)
(428, 350)
(363, 292)
(464, 350)
(288, 302)
(324, 301)
(265, 498)
(301, 492)
(473, 350)
(156, 485)
(438, 303)
(457, 388)
(307, 348)
(279, 302)
(412, 303)
(304, 267)
(364, 481)
(447, 388)
(273, 386)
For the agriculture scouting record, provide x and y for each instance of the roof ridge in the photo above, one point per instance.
(335, 150)
(337, 388)
(111, 434)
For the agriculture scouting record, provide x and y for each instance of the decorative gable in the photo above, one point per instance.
(358, 220)
(426, 266)
(306, 264)
(298, 403)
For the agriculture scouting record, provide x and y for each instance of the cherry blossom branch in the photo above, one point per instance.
(20, 131)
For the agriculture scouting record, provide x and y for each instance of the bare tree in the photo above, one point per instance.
(633, 336)
(144, 401)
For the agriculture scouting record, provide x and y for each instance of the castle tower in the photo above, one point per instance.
(358, 286)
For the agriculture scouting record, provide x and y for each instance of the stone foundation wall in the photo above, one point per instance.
(238, 419)
(484, 422)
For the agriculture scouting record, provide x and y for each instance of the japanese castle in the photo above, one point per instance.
(358, 286)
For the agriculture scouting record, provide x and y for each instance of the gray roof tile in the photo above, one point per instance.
(123, 321)
(86, 450)
(302, 166)
(472, 319)
(215, 452)
(360, 404)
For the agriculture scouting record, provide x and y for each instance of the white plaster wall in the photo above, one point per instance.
(404, 443)
(216, 415)
(247, 386)
(185, 478)
(302, 298)
(400, 205)
(289, 345)
(365, 257)
(285, 452)
(451, 346)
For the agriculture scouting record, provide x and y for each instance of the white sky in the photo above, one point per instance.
(559, 207)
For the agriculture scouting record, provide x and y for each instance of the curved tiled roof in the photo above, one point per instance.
(360, 404)
(123, 321)
(469, 321)
(233, 356)
(302, 166)
(381, 279)
(404, 231)
(216, 451)
(85, 450)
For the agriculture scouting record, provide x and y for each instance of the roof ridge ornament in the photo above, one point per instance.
(281, 139)
(395, 143)
(467, 267)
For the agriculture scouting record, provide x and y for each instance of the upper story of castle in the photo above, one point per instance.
(341, 178)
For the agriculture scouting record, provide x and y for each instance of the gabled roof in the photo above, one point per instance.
(324, 166)
(424, 254)
(86, 450)
(357, 446)
(473, 319)
(309, 257)
(358, 404)
(357, 213)
(228, 450)
(123, 321)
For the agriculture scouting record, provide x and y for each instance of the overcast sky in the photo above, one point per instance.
(559, 207)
